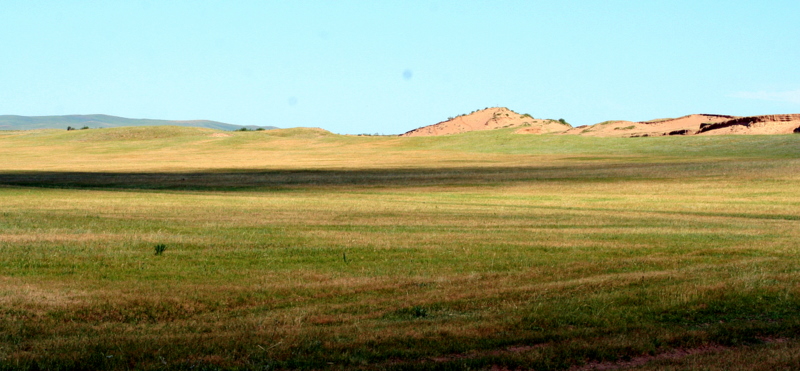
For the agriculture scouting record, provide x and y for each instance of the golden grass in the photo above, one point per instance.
(310, 250)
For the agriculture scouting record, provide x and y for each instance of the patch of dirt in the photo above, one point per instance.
(495, 352)
(536, 130)
(642, 360)
(670, 355)
(219, 135)
(673, 354)
(33, 297)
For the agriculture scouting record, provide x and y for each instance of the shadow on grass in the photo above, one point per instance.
(238, 179)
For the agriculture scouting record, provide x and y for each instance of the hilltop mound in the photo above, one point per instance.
(685, 125)
(489, 119)
(13, 122)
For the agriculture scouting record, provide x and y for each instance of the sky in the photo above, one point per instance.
(388, 67)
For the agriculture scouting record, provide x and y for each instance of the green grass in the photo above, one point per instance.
(303, 249)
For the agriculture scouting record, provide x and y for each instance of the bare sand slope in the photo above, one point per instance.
(696, 124)
(767, 124)
(686, 125)
(489, 119)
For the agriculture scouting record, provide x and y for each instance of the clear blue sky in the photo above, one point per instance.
(392, 66)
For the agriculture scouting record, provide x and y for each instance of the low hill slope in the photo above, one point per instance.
(489, 119)
(299, 132)
(13, 122)
(185, 149)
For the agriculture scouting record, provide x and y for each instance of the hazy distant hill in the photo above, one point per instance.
(12, 122)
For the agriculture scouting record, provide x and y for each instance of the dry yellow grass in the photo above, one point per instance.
(308, 250)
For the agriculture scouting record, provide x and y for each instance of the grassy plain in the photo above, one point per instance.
(302, 249)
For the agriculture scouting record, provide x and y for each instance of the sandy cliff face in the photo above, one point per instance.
(766, 124)
(489, 119)
(698, 124)
(686, 125)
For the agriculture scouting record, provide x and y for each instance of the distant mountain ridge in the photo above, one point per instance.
(14, 122)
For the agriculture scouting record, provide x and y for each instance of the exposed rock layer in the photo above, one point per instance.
(752, 122)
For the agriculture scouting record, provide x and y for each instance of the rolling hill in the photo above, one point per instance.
(13, 122)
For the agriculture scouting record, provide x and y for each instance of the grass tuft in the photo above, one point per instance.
(159, 248)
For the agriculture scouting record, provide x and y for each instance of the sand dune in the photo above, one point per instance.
(489, 119)
(696, 124)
